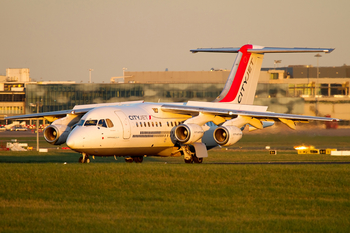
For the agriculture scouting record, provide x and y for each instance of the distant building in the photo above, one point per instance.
(18, 75)
(292, 89)
(176, 76)
(13, 92)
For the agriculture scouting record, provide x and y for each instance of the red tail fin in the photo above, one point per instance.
(241, 84)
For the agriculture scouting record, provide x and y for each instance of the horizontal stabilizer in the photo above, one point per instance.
(258, 49)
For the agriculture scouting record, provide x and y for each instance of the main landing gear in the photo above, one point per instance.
(137, 159)
(189, 153)
(84, 159)
(194, 159)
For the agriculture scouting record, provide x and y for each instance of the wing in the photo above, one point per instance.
(231, 111)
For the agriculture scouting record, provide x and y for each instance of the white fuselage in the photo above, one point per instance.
(128, 131)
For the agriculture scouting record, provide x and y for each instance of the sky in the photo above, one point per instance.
(60, 40)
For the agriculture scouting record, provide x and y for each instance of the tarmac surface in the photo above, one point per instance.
(28, 133)
(302, 129)
(285, 163)
(279, 129)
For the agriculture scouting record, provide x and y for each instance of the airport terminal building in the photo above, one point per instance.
(295, 90)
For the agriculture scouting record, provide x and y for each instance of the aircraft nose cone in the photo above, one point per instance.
(70, 142)
(75, 140)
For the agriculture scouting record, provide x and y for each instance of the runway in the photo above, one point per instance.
(334, 137)
(28, 133)
(285, 163)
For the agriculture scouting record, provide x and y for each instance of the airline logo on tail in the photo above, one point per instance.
(238, 75)
(246, 79)
(241, 85)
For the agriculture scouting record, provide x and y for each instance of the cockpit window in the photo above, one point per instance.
(109, 123)
(80, 123)
(90, 123)
(102, 123)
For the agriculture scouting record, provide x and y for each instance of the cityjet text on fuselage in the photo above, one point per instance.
(139, 117)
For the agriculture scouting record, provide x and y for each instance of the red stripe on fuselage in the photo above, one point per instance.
(237, 81)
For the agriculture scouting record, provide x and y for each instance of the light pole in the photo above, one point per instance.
(316, 83)
(276, 62)
(124, 69)
(90, 74)
(37, 105)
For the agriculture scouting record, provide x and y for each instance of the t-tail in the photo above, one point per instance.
(243, 79)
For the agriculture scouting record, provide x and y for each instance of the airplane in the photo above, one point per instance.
(136, 129)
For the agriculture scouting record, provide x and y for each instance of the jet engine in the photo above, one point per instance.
(56, 134)
(227, 135)
(188, 133)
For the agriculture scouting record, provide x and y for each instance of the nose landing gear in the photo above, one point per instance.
(84, 159)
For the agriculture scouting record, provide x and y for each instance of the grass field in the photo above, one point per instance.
(227, 193)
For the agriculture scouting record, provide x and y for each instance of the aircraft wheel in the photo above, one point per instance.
(129, 160)
(197, 160)
(81, 160)
(138, 159)
(188, 160)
